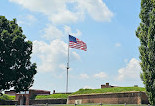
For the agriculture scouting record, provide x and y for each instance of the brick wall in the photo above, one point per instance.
(39, 92)
(24, 97)
(111, 98)
(21, 96)
(107, 86)
(49, 101)
(11, 92)
(32, 102)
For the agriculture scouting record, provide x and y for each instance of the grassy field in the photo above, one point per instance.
(7, 97)
(91, 91)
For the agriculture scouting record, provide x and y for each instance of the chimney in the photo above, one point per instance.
(53, 91)
(107, 84)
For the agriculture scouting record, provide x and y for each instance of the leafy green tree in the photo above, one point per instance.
(16, 70)
(146, 33)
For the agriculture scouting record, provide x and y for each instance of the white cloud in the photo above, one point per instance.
(130, 71)
(63, 66)
(27, 20)
(51, 32)
(56, 10)
(84, 76)
(100, 75)
(59, 12)
(31, 17)
(68, 30)
(97, 9)
(64, 17)
(117, 44)
(52, 56)
(76, 56)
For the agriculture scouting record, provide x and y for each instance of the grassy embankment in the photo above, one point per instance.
(81, 91)
(108, 90)
(52, 96)
(7, 97)
(92, 91)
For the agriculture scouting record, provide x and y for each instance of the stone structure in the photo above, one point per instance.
(33, 102)
(110, 98)
(39, 92)
(107, 86)
(24, 97)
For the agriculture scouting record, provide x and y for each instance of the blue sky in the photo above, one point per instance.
(106, 26)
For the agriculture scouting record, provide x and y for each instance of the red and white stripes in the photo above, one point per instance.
(78, 45)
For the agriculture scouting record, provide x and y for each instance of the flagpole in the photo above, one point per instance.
(67, 69)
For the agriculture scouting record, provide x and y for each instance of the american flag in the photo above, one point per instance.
(76, 43)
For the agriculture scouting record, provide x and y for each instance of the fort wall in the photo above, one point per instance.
(110, 98)
(49, 101)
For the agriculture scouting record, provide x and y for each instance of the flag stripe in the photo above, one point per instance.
(76, 43)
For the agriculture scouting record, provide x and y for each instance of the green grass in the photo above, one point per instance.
(108, 90)
(52, 96)
(91, 91)
(7, 97)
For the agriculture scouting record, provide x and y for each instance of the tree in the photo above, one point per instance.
(16, 70)
(146, 33)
